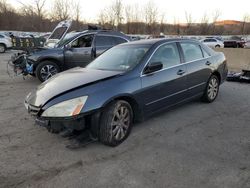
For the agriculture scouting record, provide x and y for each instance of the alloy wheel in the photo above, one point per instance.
(213, 88)
(47, 71)
(120, 122)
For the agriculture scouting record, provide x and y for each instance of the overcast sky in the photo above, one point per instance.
(173, 9)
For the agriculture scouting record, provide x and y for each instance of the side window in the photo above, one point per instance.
(167, 54)
(83, 42)
(213, 40)
(1, 36)
(119, 40)
(206, 40)
(104, 41)
(191, 51)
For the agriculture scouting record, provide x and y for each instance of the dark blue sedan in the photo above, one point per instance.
(126, 84)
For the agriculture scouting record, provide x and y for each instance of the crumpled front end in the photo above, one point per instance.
(19, 64)
(56, 125)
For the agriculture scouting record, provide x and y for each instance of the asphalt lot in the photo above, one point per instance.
(196, 145)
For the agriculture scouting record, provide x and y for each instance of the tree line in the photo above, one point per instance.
(131, 19)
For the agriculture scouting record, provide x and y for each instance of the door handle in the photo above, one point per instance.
(208, 63)
(181, 72)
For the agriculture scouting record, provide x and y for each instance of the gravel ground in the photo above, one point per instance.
(192, 146)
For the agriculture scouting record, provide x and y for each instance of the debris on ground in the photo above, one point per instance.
(243, 76)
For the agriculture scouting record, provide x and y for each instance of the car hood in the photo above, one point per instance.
(66, 81)
(44, 51)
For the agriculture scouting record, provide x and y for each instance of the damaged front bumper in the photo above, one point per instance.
(19, 65)
(57, 126)
(83, 121)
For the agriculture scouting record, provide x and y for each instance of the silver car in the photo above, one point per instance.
(213, 42)
(5, 43)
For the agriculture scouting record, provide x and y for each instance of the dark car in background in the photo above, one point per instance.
(75, 49)
(127, 83)
(234, 42)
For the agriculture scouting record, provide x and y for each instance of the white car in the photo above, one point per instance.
(213, 43)
(5, 43)
(247, 44)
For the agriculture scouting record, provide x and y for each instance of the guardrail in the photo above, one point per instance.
(237, 58)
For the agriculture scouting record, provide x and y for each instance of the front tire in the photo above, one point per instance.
(212, 89)
(46, 69)
(116, 123)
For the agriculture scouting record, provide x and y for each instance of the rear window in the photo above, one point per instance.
(119, 40)
(104, 41)
(191, 51)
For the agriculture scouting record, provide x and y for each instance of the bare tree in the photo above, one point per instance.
(107, 18)
(215, 16)
(36, 7)
(112, 15)
(39, 4)
(204, 25)
(102, 18)
(176, 26)
(133, 18)
(61, 10)
(128, 16)
(117, 9)
(189, 21)
(245, 21)
(8, 16)
(162, 23)
(151, 13)
(76, 12)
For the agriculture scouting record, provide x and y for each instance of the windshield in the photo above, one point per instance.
(68, 37)
(120, 58)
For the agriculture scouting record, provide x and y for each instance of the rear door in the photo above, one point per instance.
(80, 51)
(198, 67)
(166, 87)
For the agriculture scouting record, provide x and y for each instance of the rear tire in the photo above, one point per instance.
(2, 48)
(212, 89)
(217, 46)
(46, 69)
(116, 123)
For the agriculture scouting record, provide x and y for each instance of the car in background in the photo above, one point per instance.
(213, 42)
(76, 49)
(5, 43)
(125, 84)
(215, 37)
(161, 36)
(247, 44)
(234, 42)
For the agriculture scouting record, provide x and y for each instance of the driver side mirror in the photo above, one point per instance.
(153, 67)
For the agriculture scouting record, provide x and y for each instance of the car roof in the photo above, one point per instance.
(108, 32)
(158, 41)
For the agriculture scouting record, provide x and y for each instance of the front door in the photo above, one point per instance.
(80, 52)
(167, 86)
